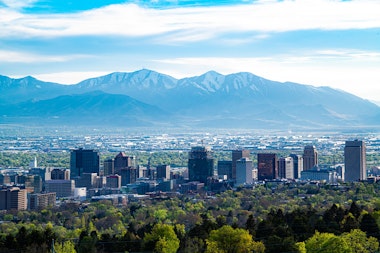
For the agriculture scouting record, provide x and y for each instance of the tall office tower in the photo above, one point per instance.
(244, 167)
(109, 167)
(310, 157)
(83, 161)
(163, 172)
(122, 161)
(286, 167)
(225, 169)
(267, 166)
(200, 164)
(128, 175)
(13, 198)
(236, 155)
(355, 161)
(297, 164)
(60, 174)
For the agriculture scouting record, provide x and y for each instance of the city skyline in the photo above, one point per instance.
(318, 42)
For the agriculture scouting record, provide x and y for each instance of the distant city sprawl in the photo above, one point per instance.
(123, 189)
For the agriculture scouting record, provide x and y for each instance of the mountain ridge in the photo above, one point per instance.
(243, 98)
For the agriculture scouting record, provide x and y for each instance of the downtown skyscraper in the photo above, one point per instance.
(310, 157)
(355, 161)
(200, 164)
(83, 161)
(267, 166)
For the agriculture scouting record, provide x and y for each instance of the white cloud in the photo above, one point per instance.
(23, 57)
(69, 77)
(198, 23)
(17, 4)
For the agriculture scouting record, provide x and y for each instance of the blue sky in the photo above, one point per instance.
(317, 42)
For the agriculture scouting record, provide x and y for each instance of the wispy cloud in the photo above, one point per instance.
(69, 77)
(197, 23)
(18, 4)
(317, 58)
(24, 57)
(319, 42)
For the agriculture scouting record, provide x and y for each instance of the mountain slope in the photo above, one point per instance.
(86, 109)
(240, 90)
(28, 88)
(211, 99)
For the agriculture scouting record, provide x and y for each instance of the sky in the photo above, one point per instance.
(315, 42)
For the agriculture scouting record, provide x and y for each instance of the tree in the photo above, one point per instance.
(229, 240)
(355, 210)
(354, 241)
(162, 239)
(359, 243)
(332, 219)
(349, 222)
(192, 244)
(368, 224)
(326, 243)
(65, 247)
(160, 215)
(250, 225)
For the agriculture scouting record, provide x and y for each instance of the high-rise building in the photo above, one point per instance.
(60, 174)
(109, 167)
(244, 167)
(225, 169)
(128, 175)
(200, 164)
(286, 167)
(163, 172)
(297, 165)
(236, 155)
(13, 198)
(83, 161)
(355, 161)
(267, 166)
(310, 157)
(122, 161)
(62, 188)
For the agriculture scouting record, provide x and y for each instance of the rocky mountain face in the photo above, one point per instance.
(146, 97)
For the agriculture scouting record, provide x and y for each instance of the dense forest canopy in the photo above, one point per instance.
(268, 218)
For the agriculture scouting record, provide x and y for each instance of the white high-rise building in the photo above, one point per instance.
(244, 167)
(286, 167)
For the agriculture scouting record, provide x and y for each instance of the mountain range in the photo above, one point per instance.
(149, 98)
